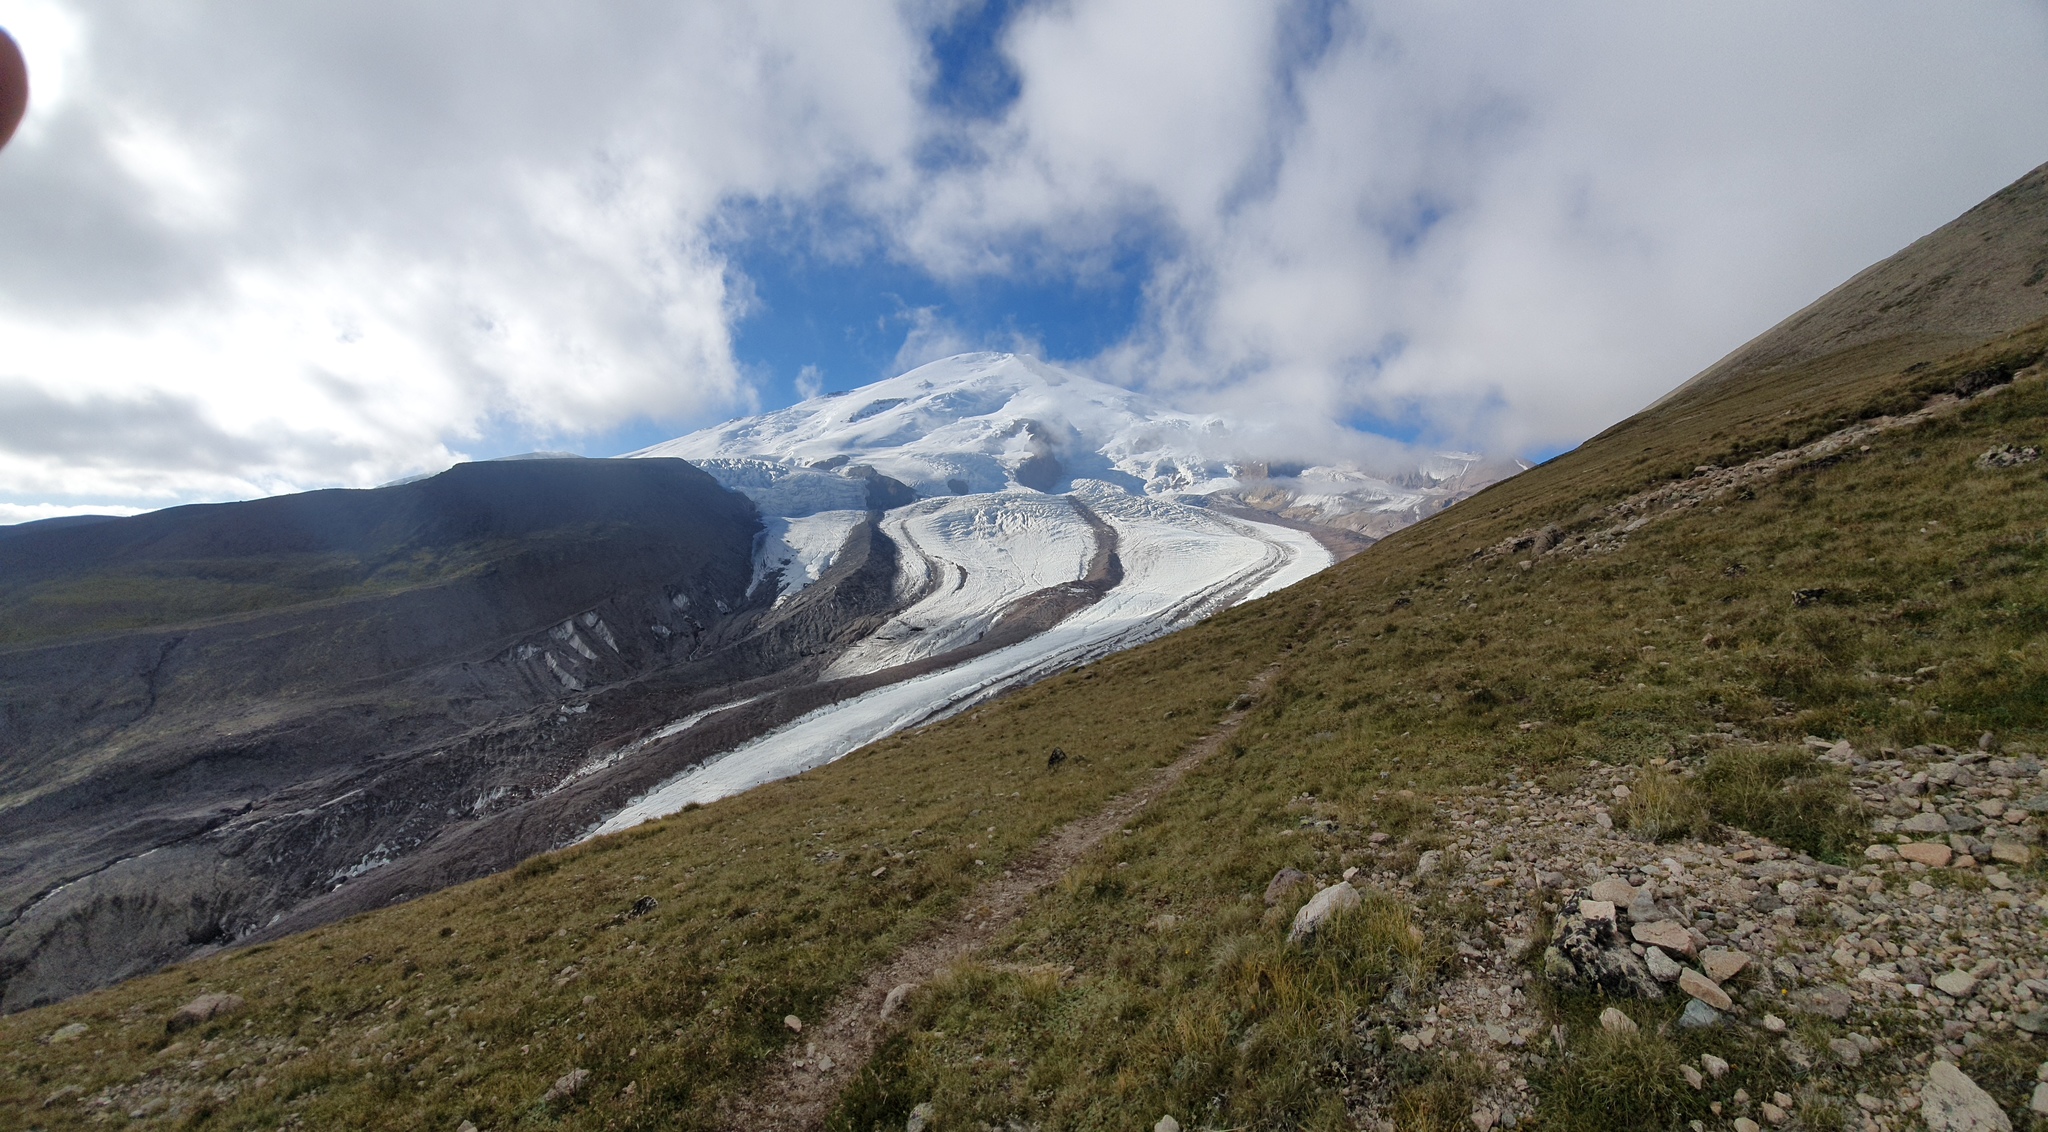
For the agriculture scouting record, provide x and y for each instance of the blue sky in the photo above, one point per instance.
(250, 250)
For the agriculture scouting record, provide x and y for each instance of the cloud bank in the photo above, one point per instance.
(250, 249)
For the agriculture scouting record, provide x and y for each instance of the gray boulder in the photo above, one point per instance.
(1951, 1102)
(1337, 898)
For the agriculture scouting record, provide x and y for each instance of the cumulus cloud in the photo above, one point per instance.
(1501, 225)
(251, 248)
(383, 228)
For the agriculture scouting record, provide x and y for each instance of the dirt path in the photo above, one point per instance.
(800, 1090)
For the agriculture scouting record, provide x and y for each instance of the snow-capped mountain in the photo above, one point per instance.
(980, 423)
(1039, 519)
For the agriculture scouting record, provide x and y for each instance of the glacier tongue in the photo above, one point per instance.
(1180, 565)
(970, 557)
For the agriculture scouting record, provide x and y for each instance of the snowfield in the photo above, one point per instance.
(1180, 565)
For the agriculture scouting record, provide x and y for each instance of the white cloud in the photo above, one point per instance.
(32, 512)
(355, 236)
(285, 246)
(1616, 194)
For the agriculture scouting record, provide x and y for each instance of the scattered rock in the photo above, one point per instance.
(465, 1126)
(893, 1001)
(1955, 984)
(1745, 1124)
(1667, 934)
(1166, 1124)
(1484, 1119)
(2011, 852)
(1846, 1051)
(1698, 1016)
(1773, 1113)
(1692, 1076)
(795, 1024)
(1722, 964)
(1614, 1021)
(1614, 890)
(2008, 456)
(1663, 968)
(1924, 823)
(921, 1118)
(1320, 907)
(1716, 1068)
(1828, 1001)
(69, 1032)
(2039, 1103)
(1593, 909)
(1704, 989)
(203, 1009)
(1933, 854)
(1881, 853)
(1774, 1024)
(1428, 863)
(2033, 1021)
(1282, 883)
(565, 1086)
(1951, 1102)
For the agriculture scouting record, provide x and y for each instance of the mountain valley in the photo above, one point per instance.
(1690, 779)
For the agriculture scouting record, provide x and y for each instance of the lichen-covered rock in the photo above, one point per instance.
(1590, 953)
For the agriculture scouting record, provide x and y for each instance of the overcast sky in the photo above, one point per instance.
(248, 248)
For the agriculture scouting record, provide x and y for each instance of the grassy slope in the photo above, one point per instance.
(1415, 661)
(1421, 663)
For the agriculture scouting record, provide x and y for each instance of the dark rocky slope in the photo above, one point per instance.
(212, 714)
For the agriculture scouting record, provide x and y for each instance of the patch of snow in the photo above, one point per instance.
(375, 859)
(802, 548)
(666, 731)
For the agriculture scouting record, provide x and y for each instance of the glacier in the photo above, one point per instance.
(1016, 479)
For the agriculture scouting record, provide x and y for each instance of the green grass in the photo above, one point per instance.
(1665, 807)
(1788, 796)
(1408, 674)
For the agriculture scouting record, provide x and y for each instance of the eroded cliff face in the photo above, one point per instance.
(445, 692)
